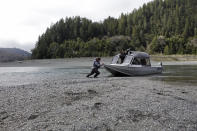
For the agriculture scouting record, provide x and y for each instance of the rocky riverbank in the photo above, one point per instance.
(110, 103)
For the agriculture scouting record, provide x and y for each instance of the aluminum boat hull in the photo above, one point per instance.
(129, 70)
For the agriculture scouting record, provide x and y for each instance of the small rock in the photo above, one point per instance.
(33, 117)
(3, 115)
(92, 92)
(159, 93)
(97, 105)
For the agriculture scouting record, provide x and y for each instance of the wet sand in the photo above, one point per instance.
(102, 104)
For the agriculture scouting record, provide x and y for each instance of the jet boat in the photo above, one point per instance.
(135, 64)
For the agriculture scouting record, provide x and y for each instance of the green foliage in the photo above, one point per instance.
(166, 50)
(53, 50)
(160, 26)
(191, 46)
(157, 45)
(176, 44)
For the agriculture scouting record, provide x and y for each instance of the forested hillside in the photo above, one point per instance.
(161, 26)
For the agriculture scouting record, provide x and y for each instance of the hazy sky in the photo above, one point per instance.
(22, 21)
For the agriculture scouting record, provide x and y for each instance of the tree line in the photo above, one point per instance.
(160, 26)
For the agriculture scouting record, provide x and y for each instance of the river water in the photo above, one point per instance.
(35, 71)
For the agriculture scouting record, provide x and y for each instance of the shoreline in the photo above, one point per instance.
(174, 57)
(64, 61)
(54, 99)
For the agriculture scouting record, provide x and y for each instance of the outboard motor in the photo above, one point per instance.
(129, 52)
(160, 63)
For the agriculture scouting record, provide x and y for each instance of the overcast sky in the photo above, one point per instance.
(22, 21)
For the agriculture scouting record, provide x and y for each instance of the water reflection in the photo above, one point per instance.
(28, 75)
(179, 74)
(17, 69)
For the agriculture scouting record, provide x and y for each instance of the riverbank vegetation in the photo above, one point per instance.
(161, 26)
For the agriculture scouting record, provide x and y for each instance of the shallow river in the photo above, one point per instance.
(29, 72)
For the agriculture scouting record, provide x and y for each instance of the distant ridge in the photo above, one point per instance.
(13, 54)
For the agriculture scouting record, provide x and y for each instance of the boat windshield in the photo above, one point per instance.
(115, 59)
(128, 59)
(141, 61)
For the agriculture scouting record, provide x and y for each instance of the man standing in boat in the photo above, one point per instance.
(122, 56)
(96, 66)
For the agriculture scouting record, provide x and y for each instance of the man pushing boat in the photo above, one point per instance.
(96, 66)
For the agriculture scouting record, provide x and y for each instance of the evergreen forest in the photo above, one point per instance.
(158, 27)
